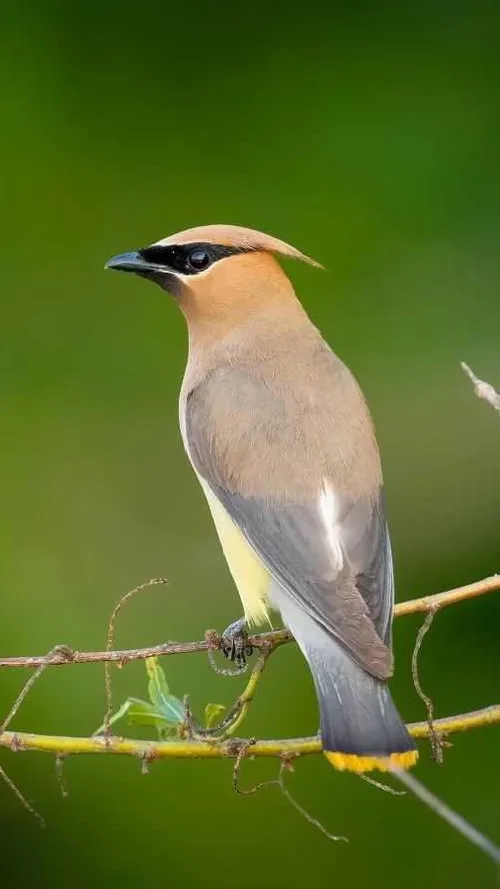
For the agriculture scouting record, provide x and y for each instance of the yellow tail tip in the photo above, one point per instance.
(350, 762)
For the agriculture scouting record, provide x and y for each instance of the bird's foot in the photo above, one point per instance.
(235, 644)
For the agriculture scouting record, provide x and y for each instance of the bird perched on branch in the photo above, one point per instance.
(281, 439)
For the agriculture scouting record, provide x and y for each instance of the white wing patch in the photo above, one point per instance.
(329, 511)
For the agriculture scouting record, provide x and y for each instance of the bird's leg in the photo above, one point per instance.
(235, 644)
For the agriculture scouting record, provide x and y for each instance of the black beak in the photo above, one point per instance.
(138, 262)
(131, 262)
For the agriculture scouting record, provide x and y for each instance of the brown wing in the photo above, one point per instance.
(347, 587)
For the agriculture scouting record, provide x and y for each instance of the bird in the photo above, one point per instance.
(282, 442)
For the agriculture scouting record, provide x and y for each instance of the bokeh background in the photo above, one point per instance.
(367, 134)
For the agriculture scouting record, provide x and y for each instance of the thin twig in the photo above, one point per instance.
(238, 711)
(305, 814)
(110, 638)
(240, 756)
(482, 389)
(381, 786)
(186, 749)
(437, 742)
(21, 697)
(235, 714)
(22, 799)
(63, 787)
(247, 749)
(65, 655)
(28, 685)
(444, 811)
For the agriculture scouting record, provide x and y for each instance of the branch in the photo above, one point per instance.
(186, 749)
(62, 654)
(215, 743)
(481, 388)
(195, 742)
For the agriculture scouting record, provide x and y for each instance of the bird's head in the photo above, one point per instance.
(214, 270)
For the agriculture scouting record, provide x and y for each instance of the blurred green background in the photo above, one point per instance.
(367, 134)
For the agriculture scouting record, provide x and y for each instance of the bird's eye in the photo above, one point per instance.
(199, 259)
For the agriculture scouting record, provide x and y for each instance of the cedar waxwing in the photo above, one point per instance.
(281, 440)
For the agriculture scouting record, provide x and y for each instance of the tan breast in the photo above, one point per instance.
(281, 423)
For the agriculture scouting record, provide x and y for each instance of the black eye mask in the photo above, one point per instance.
(187, 259)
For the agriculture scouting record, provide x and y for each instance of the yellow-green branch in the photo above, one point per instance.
(186, 749)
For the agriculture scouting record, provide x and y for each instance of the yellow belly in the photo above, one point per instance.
(251, 577)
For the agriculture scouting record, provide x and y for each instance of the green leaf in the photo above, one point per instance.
(163, 710)
(137, 712)
(168, 705)
(212, 714)
(114, 718)
(143, 713)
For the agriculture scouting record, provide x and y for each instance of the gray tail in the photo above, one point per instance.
(358, 715)
(360, 726)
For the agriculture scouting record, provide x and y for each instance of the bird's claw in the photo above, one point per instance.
(235, 644)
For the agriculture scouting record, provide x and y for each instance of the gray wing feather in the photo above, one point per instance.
(369, 551)
(354, 604)
(289, 539)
